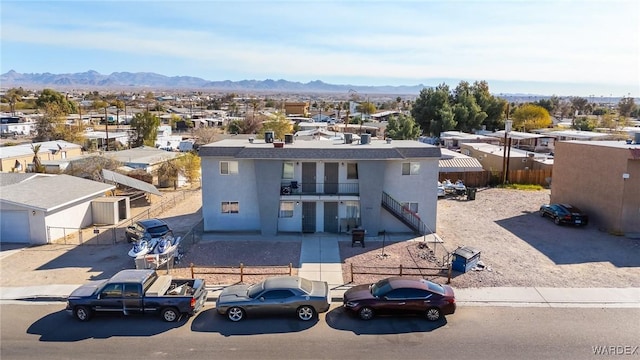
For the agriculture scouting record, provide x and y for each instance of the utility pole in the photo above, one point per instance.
(106, 128)
(507, 144)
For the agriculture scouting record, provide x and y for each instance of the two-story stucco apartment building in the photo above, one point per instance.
(319, 186)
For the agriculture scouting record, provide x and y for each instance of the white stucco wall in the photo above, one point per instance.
(72, 218)
(240, 187)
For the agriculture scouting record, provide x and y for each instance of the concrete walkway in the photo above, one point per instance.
(320, 260)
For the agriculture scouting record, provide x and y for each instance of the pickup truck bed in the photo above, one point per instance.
(139, 291)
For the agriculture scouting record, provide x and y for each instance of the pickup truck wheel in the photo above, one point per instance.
(170, 314)
(306, 312)
(82, 313)
(235, 314)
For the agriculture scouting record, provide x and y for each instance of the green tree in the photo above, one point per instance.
(12, 97)
(145, 127)
(467, 113)
(492, 106)
(189, 165)
(48, 96)
(579, 104)
(432, 110)
(626, 106)
(50, 125)
(529, 117)
(402, 127)
(279, 124)
(366, 108)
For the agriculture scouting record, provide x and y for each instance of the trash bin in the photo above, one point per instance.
(471, 193)
(465, 259)
(357, 235)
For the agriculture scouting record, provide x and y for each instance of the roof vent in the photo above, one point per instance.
(288, 138)
(348, 138)
(365, 139)
(268, 136)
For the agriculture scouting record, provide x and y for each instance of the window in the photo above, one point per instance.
(131, 291)
(286, 209)
(277, 294)
(287, 170)
(228, 167)
(353, 209)
(111, 291)
(410, 168)
(230, 207)
(410, 207)
(352, 170)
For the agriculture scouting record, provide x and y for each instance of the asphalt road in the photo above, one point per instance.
(46, 331)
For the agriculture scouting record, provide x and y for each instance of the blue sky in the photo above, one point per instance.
(578, 48)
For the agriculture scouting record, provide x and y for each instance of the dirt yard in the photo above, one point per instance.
(516, 245)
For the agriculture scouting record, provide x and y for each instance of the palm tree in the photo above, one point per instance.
(37, 165)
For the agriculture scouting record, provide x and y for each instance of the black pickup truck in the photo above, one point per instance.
(138, 292)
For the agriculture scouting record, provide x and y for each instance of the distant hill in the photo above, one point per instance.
(120, 80)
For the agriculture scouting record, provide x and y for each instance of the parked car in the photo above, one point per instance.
(279, 295)
(400, 296)
(147, 229)
(138, 292)
(564, 214)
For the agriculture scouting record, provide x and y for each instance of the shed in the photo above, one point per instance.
(110, 210)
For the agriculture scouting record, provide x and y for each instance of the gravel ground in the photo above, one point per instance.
(517, 246)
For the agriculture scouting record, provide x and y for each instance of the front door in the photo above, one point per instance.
(308, 178)
(331, 217)
(308, 217)
(331, 178)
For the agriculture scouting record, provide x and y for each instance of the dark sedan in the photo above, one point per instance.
(401, 296)
(564, 214)
(280, 295)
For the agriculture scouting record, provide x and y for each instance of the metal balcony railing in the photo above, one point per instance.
(404, 214)
(298, 188)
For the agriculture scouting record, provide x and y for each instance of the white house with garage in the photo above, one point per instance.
(317, 186)
(36, 208)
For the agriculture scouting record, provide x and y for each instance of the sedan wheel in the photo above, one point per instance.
(541, 213)
(306, 313)
(235, 314)
(366, 313)
(433, 314)
(556, 220)
(82, 313)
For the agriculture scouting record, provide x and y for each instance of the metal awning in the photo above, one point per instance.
(109, 175)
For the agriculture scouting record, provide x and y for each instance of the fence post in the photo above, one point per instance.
(449, 276)
(290, 268)
(400, 269)
(351, 266)
(192, 275)
(241, 272)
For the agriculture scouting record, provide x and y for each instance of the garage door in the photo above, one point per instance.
(14, 227)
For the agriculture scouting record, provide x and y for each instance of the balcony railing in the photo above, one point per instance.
(297, 188)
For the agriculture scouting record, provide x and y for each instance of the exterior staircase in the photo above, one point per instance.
(402, 213)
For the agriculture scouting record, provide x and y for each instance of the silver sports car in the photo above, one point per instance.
(275, 295)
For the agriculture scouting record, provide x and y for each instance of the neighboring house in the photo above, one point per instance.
(319, 186)
(562, 135)
(296, 108)
(453, 161)
(527, 141)
(603, 179)
(98, 139)
(38, 208)
(492, 156)
(19, 158)
(10, 125)
(454, 139)
(148, 159)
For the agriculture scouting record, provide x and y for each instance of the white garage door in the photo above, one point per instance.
(14, 226)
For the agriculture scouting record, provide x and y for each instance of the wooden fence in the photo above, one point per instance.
(492, 178)
(398, 271)
(241, 270)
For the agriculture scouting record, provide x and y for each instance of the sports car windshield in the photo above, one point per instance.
(255, 289)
